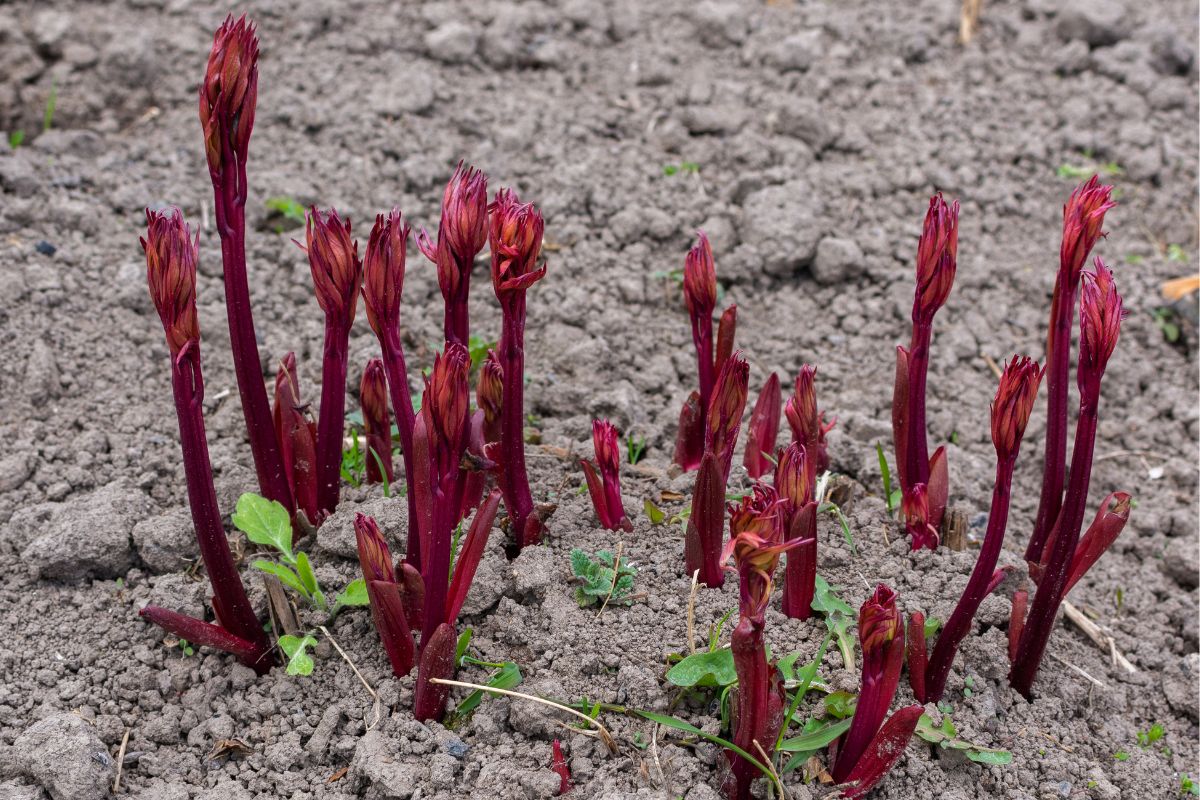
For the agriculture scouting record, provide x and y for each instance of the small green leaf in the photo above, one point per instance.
(460, 649)
(508, 676)
(285, 575)
(288, 207)
(299, 662)
(887, 477)
(305, 571)
(932, 626)
(817, 739)
(1121, 755)
(704, 669)
(945, 736)
(841, 704)
(653, 513)
(264, 522)
(355, 594)
(594, 578)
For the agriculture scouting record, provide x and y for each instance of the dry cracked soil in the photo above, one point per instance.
(805, 138)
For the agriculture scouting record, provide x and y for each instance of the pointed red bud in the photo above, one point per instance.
(937, 254)
(1013, 403)
(764, 428)
(229, 92)
(1083, 218)
(793, 478)
(605, 443)
(700, 279)
(447, 394)
(297, 436)
(383, 271)
(914, 507)
(171, 255)
(1100, 314)
(725, 409)
(515, 238)
(489, 395)
(373, 554)
(334, 262)
(756, 543)
(879, 620)
(377, 424)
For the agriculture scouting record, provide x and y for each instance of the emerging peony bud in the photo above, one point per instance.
(937, 254)
(914, 507)
(879, 621)
(377, 423)
(515, 238)
(229, 92)
(606, 444)
(171, 255)
(373, 554)
(764, 428)
(297, 437)
(447, 395)
(383, 271)
(700, 279)
(604, 480)
(725, 409)
(808, 425)
(1083, 217)
(489, 394)
(1100, 314)
(756, 543)
(793, 478)
(1013, 403)
(333, 260)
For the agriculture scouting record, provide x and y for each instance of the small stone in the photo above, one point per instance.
(805, 120)
(89, 535)
(1179, 685)
(1097, 22)
(533, 571)
(377, 763)
(1181, 563)
(64, 754)
(720, 22)
(453, 43)
(411, 93)
(783, 224)
(15, 469)
(336, 534)
(166, 543)
(41, 374)
(797, 52)
(45, 248)
(837, 261)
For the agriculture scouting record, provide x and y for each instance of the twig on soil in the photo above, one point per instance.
(1066, 663)
(991, 362)
(1057, 743)
(1097, 635)
(616, 574)
(771, 769)
(691, 617)
(120, 761)
(654, 754)
(374, 695)
(968, 24)
(1126, 453)
(606, 737)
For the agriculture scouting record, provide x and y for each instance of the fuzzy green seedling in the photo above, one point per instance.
(1188, 785)
(295, 648)
(595, 576)
(265, 522)
(1149, 737)
(839, 618)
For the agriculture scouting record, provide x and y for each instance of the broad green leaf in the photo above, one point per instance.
(355, 594)
(460, 649)
(653, 513)
(821, 737)
(841, 704)
(713, 668)
(932, 626)
(826, 601)
(508, 676)
(285, 575)
(945, 736)
(264, 522)
(294, 647)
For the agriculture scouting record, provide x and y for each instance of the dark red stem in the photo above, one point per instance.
(959, 624)
(800, 573)
(331, 421)
(916, 451)
(1051, 587)
(1058, 381)
(753, 700)
(402, 406)
(703, 340)
(233, 608)
(518, 500)
(203, 633)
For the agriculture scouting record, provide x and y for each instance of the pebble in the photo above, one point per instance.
(452, 43)
(108, 516)
(64, 755)
(837, 261)
(1097, 22)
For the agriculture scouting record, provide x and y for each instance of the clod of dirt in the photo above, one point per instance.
(166, 543)
(64, 755)
(88, 535)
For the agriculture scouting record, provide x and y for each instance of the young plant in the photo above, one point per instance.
(377, 422)
(763, 430)
(1010, 414)
(397, 601)
(924, 481)
(700, 294)
(1064, 556)
(794, 483)
(337, 274)
(228, 96)
(706, 522)
(383, 287)
(807, 423)
(462, 232)
(1083, 220)
(265, 522)
(599, 579)
(559, 764)
(515, 238)
(171, 255)
(604, 477)
(755, 544)
(871, 746)
(297, 436)
(489, 396)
